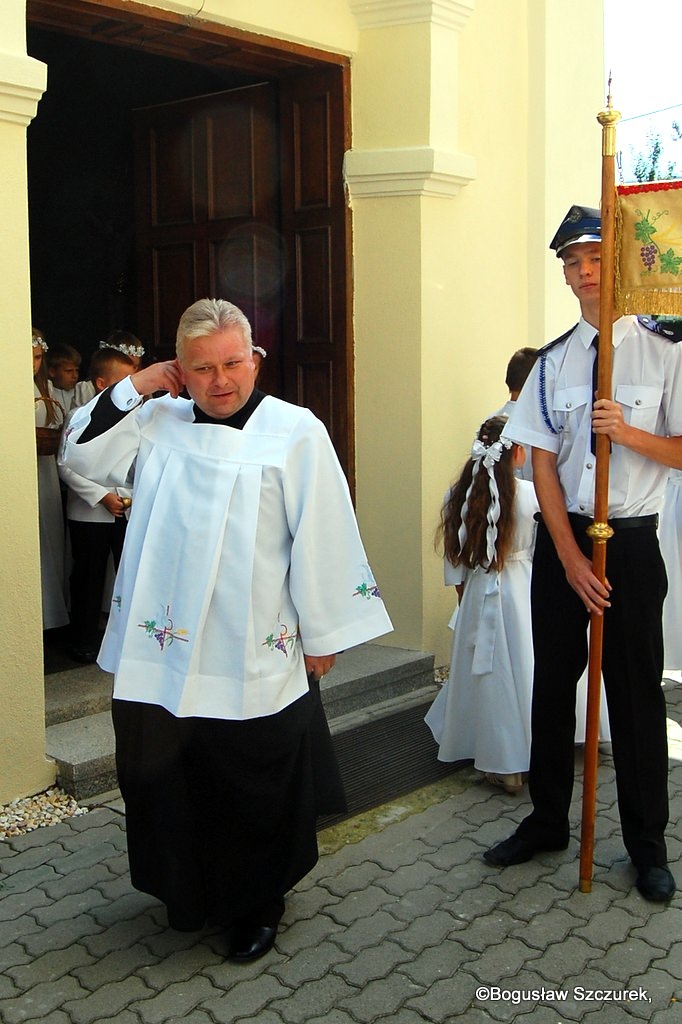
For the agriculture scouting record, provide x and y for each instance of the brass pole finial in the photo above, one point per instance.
(608, 119)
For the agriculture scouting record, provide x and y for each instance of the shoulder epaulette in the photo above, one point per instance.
(557, 341)
(669, 327)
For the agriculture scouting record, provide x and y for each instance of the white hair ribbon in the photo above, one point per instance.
(489, 455)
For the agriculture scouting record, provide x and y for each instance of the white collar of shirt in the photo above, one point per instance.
(586, 332)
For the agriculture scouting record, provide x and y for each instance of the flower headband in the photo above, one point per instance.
(488, 456)
(127, 350)
(39, 342)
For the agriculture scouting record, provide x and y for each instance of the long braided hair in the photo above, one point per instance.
(477, 519)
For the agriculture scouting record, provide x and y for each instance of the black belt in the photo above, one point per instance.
(632, 523)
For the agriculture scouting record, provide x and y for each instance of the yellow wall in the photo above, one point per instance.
(23, 768)
(566, 92)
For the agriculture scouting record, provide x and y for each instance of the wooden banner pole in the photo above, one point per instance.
(600, 531)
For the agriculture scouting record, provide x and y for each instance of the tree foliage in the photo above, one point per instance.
(647, 164)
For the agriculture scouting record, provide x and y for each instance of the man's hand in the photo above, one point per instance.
(113, 504)
(607, 418)
(159, 377)
(577, 566)
(319, 665)
(593, 594)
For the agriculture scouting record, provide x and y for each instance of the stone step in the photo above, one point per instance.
(371, 674)
(76, 693)
(83, 750)
(369, 684)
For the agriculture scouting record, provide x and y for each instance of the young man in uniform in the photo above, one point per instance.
(557, 416)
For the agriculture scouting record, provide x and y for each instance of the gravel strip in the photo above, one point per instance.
(32, 812)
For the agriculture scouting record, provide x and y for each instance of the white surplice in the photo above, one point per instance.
(242, 553)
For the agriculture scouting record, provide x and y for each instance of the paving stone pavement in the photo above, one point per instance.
(406, 925)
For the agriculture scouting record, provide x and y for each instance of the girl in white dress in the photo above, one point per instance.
(483, 711)
(49, 413)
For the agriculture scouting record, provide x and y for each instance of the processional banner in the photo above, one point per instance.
(648, 258)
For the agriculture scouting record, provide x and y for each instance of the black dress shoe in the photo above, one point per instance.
(516, 850)
(84, 655)
(656, 884)
(251, 942)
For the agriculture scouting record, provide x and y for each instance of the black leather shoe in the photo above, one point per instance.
(656, 884)
(516, 850)
(84, 655)
(251, 942)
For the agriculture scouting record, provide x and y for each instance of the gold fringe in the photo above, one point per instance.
(652, 301)
(616, 262)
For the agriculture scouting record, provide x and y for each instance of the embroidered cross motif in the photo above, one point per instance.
(368, 590)
(283, 642)
(165, 633)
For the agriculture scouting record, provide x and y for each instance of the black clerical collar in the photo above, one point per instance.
(238, 419)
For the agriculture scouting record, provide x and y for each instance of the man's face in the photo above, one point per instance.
(582, 266)
(64, 376)
(219, 372)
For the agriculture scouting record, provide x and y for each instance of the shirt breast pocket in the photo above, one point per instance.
(640, 404)
(570, 405)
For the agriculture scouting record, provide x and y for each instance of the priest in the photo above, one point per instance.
(243, 574)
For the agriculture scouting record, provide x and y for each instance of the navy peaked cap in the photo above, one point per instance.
(581, 224)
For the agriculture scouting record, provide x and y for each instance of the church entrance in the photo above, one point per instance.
(172, 159)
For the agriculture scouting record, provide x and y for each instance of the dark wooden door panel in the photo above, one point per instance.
(314, 277)
(312, 148)
(315, 387)
(171, 195)
(208, 191)
(316, 229)
(174, 277)
(241, 197)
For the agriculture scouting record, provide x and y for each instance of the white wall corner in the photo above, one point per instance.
(416, 171)
(22, 83)
(384, 13)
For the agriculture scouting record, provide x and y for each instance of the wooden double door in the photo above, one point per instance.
(239, 195)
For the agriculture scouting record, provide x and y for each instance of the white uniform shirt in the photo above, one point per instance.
(524, 472)
(647, 382)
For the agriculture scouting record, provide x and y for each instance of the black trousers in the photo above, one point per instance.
(632, 667)
(91, 544)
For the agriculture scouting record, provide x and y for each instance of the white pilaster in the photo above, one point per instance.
(384, 13)
(22, 83)
(412, 171)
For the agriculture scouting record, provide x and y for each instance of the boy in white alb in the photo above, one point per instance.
(97, 523)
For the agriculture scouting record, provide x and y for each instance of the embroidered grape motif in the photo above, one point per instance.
(648, 255)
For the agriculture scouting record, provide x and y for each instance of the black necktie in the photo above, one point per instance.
(595, 381)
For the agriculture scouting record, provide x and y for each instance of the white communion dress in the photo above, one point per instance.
(482, 713)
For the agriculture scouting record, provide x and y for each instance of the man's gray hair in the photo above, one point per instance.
(210, 316)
